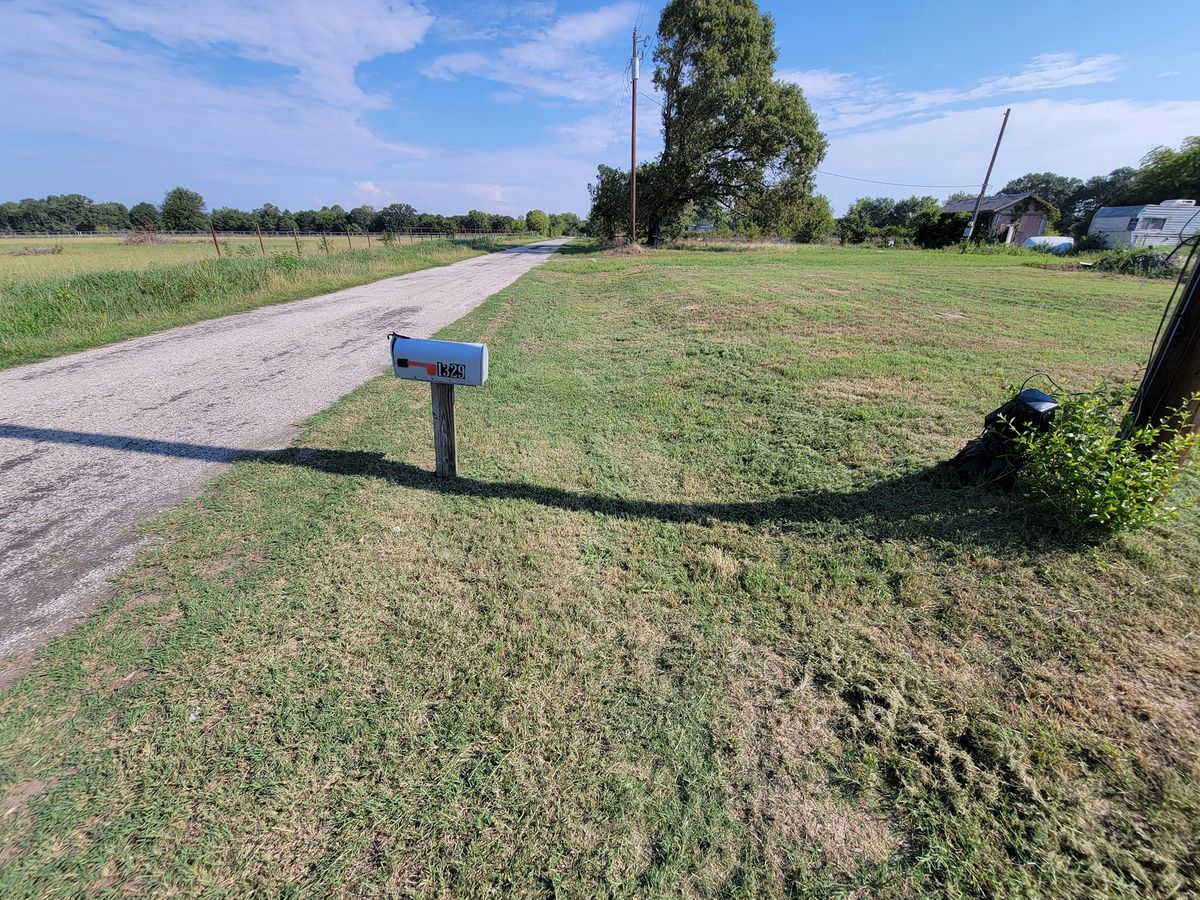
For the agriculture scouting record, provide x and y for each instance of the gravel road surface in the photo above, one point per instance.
(94, 443)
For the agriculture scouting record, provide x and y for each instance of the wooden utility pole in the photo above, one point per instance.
(445, 438)
(633, 62)
(970, 229)
(1173, 377)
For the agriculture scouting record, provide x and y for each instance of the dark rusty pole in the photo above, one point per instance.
(1172, 379)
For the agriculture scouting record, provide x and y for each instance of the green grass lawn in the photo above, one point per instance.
(701, 618)
(99, 291)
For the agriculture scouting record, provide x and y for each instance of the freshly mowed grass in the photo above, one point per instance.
(702, 618)
(97, 304)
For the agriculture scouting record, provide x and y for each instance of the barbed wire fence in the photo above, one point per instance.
(330, 240)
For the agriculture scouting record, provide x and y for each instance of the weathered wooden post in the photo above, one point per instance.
(443, 364)
(445, 435)
(213, 232)
(261, 245)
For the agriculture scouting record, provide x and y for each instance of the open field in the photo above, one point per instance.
(100, 303)
(83, 255)
(702, 618)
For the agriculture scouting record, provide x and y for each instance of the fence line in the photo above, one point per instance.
(404, 232)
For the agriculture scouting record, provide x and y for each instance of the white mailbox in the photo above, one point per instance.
(441, 362)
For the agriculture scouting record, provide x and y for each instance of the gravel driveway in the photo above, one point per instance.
(94, 443)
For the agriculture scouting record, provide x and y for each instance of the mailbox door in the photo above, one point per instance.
(444, 362)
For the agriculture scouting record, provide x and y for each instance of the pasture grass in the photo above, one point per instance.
(98, 304)
(703, 617)
(83, 255)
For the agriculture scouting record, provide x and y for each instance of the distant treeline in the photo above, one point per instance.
(1164, 174)
(184, 210)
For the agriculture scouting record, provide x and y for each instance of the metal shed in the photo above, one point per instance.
(1147, 224)
(1007, 218)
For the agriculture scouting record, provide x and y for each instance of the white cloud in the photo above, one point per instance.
(558, 61)
(1052, 71)
(844, 101)
(322, 42)
(1042, 135)
(71, 72)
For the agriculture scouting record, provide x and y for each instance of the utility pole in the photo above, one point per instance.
(970, 229)
(1173, 376)
(633, 147)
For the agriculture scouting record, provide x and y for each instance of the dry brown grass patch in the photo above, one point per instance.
(783, 726)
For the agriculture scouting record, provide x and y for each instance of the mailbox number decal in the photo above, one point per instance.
(436, 370)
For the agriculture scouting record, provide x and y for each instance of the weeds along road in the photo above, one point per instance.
(94, 443)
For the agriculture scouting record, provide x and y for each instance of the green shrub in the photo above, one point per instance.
(1089, 243)
(1136, 261)
(1096, 470)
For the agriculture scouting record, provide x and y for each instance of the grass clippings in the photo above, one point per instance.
(701, 617)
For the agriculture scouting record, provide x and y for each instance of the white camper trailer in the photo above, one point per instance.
(1148, 225)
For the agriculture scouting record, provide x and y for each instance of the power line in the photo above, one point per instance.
(620, 105)
(894, 183)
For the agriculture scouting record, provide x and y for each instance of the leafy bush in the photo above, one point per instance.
(1088, 243)
(1096, 470)
(997, 249)
(1136, 261)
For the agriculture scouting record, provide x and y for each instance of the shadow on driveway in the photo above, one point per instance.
(927, 506)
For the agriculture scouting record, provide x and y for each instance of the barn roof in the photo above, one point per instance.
(994, 203)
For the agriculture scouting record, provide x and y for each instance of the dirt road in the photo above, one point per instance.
(94, 443)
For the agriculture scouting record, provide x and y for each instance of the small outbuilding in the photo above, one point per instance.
(1146, 224)
(1006, 218)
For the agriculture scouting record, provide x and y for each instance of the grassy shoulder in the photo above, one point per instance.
(701, 618)
(42, 317)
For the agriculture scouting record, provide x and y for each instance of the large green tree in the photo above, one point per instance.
(916, 219)
(69, 212)
(361, 217)
(609, 215)
(145, 216)
(732, 134)
(269, 218)
(537, 220)
(111, 216)
(1057, 190)
(227, 218)
(1168, 174)
(1113, 189)
(395, 217)
(183, 210)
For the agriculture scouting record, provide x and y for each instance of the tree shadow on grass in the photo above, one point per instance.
(925, 506)
(580, 247)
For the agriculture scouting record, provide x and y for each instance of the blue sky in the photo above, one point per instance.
(506, 106)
